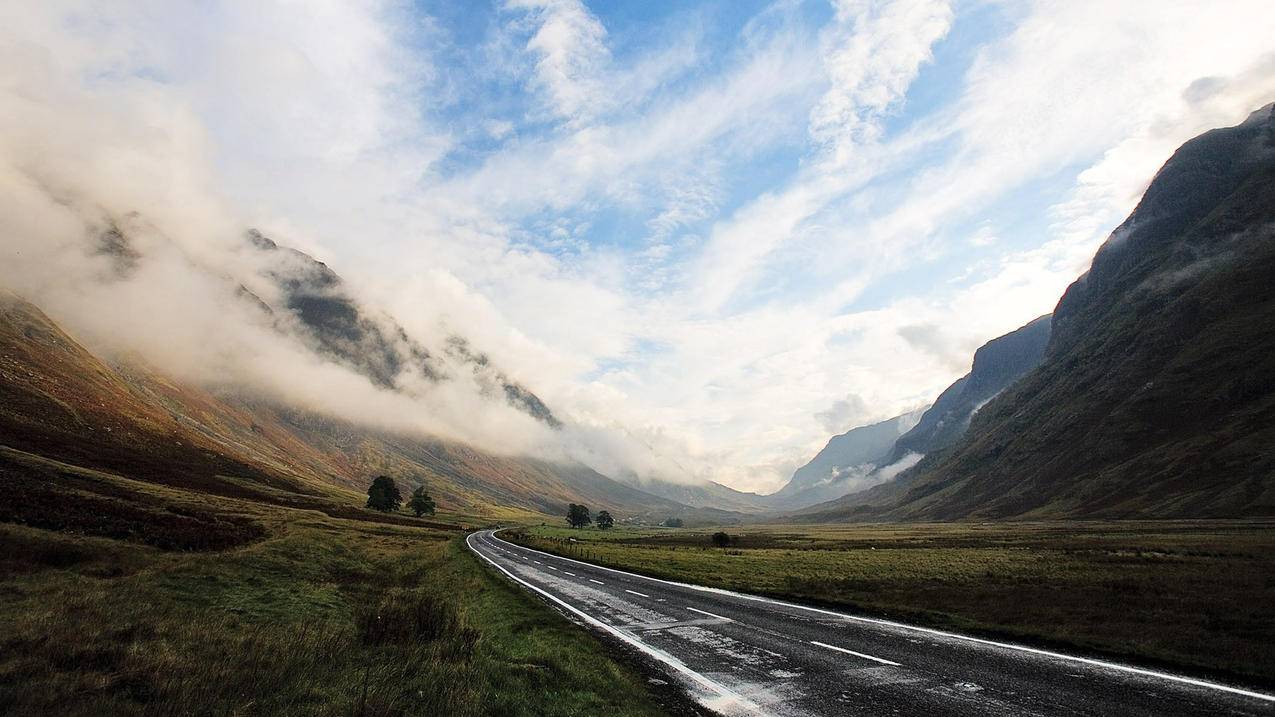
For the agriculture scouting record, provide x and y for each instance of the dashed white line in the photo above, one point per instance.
(710, 614)
(636, 593)
(551, 567)
(596, 581)
(537, 562)
(856, 654)
(568, 572)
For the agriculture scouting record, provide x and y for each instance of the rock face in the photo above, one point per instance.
(1156, 393)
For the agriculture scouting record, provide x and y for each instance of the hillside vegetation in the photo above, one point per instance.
(120, 597)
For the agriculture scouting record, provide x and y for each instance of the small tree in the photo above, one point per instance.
(383, 494)
(578, 516)
(420, 503)
(721, 539)
(604, 520)
(673, 523)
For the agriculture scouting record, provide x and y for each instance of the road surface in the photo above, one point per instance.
(740, 654)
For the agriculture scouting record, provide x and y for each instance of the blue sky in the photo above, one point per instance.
(709, 234)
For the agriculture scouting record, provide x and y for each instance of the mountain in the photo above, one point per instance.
(844, 463)
(60, 402)
(997, 364)
(327, 316)
(857, 460)
(1156, 394)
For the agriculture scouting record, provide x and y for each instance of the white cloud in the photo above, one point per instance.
(572, 57)
(759, 291)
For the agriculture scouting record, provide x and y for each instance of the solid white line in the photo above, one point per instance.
(856, 654)
(636, 593)
(596, 581)
(705, 612)
(732, 699)
(931, 631)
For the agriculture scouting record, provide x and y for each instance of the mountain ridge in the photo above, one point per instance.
(1155, 396)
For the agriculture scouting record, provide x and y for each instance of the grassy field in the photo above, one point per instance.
(1198, 595)
(166, 602)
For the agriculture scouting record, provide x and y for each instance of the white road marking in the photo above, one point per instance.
(940, 633)
(710, 614)
(537, 562)
(856, 654)
(568, 572)
(551, 567)
(728, 698)
(636, 593)
(596, 581)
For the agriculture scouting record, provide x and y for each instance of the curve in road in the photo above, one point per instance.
(740, 654)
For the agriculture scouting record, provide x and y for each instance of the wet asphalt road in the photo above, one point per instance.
(746, 655)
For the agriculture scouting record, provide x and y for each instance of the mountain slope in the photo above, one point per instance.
(59, 401)
(703, 494)
(1156, 395)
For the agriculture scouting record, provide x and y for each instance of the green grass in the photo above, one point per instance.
(315, 615)
(1190, 594)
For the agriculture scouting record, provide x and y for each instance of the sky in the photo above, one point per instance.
(710, 233)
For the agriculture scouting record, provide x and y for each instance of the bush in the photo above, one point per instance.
(721, 539)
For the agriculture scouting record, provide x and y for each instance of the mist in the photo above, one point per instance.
(117, 223)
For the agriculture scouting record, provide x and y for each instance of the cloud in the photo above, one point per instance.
(570, 46)
(689, 236)
(843, 414)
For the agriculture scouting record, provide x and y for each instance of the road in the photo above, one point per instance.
(740, 654)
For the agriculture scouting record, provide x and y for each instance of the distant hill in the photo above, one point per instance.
(59, 401)
(1156, 393)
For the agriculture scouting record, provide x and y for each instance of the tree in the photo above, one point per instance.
(578, 516)
(383, 494)
(420, 503)
(604, 520)
(673, 523)
(721, 539)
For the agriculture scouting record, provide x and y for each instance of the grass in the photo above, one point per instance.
(1195, 595)
(292, 612)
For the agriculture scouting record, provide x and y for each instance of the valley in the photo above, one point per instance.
(577, 359)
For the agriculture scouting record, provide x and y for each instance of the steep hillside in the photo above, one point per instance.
(59, 401)
(843, 464)
(1156, 395)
